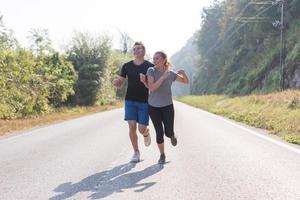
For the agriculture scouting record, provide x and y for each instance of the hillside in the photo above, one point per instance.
(238, 48)
(185, 59)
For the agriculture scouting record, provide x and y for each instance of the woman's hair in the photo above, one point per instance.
(168, 64)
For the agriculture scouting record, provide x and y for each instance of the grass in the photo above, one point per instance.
(10, 126)
(279, 112)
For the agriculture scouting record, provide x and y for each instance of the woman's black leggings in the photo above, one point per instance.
(163, 121)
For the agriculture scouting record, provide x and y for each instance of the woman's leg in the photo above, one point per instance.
(156, 118)
(168, 120)
(161, 148)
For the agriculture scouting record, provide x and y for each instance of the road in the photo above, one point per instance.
(87, 158)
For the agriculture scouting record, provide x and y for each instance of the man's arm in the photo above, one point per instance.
(118, 81)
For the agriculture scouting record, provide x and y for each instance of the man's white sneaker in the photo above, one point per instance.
(147, 139)
(136, 157)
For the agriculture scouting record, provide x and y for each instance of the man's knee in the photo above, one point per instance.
(132, 125)
(142, 128)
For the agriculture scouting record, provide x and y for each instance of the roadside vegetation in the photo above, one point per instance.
(278, 112)
(18, 125)
(40, 85)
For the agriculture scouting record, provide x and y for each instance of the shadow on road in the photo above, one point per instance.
(105, 183)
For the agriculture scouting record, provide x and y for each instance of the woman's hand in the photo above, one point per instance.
(143, 79)
(181, 72)
(182, 77)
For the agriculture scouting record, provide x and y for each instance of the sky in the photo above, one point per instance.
(160, 24)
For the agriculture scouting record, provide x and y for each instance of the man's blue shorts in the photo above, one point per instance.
(137, 111)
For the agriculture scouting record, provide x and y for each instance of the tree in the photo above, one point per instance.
(60, 77)
(89, 56)
(126, 42)
(40, 41)
(7, 40)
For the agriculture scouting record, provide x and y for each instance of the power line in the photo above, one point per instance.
(263, 2)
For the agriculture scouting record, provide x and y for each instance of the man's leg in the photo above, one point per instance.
(143, 129)
(131, 118)
(146, 135)
(133, 135)
(143, 118)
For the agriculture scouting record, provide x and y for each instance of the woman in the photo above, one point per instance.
(161, 110)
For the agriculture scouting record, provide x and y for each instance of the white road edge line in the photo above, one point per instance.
(279, 143)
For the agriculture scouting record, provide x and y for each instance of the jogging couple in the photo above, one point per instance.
(149, 93)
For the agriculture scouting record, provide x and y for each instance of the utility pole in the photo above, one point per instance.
(282, 45)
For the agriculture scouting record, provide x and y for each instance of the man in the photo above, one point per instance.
(136, 99)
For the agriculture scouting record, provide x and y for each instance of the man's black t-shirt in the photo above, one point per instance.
(136, 90)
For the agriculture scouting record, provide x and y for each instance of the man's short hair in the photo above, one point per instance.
(139, 43)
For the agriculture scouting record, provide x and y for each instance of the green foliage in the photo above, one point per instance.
(40, 41)
(294, 8)
(59, 77)
(33, 85)
(89, 56)
(88, 84)
(36, 80)
(295, 139)
(33, 81)
(7, 40)
(18, 80)
(239, 55)
(108, 92)
(87, 49)
(278, 112)
(293, 54)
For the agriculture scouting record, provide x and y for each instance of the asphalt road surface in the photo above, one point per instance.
(88, 158)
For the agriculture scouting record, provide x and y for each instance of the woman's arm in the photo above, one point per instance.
(182, 77)
(154, 85)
